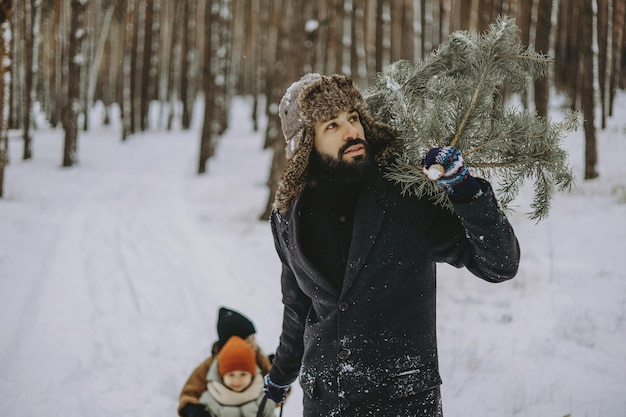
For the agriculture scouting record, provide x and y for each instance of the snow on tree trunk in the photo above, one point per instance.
(209, 133)
(72, 107)
(31, 61)
(128, 127)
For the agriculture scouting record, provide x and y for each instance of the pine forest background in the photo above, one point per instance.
(59, 58)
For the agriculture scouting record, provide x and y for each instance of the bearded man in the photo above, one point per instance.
(359, 258)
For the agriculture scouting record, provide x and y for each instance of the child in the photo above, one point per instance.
(229, 323)
(235, 384)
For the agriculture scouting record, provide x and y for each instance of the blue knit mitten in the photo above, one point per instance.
(446, 166)
(273, 391)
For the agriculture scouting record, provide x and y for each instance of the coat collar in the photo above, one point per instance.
(368, 219)
(369, 216)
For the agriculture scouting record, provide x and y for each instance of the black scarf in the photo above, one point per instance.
(329, 204)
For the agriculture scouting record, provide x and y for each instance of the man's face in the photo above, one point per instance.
(342, 138)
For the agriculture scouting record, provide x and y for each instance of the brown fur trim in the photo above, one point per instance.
(319, 100)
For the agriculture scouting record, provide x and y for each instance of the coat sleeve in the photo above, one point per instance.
(478, 236)
(296, 305)
(195, 385)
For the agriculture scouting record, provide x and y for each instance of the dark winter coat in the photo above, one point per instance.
(370, 349)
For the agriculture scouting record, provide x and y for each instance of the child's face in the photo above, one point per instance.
(237, 380)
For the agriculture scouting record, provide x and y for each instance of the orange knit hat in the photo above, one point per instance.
(236, 355)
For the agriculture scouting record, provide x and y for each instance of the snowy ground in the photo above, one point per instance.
(111, 274)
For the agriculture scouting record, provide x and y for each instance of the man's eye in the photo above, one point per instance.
(331, 126)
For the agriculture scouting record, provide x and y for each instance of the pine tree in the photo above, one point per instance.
(452, 97)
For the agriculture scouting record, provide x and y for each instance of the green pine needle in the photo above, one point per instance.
(452, 98)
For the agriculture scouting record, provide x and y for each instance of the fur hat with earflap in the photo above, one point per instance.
(317, 97)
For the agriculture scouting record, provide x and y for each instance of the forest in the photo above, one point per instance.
(59, 58)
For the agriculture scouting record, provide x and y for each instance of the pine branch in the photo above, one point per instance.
(452, 97)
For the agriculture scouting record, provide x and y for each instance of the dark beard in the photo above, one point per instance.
(329, 169)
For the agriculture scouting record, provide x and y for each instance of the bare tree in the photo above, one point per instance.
(32, 20)
(100, 39)
(358, 49)
(189, 67)
(137, 84)
(587, 93)
(177, 49)
(288, 68)
(618, 42)
(148, 66)
(603, 39)
(209, 73)
(58, 73)
(166, 30)
(130, 50)
(273, 84)
(542, 44)
(72, 106)
(5, 84)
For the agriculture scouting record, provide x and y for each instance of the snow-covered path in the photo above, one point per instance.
(125, 258)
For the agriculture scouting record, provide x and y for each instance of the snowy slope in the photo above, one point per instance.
(111, 274)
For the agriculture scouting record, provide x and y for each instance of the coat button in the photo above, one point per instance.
(343, 355)
(343, 306)
(344, 403)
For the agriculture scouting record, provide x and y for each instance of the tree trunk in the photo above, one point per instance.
(273, 84)
(396, 29)
(358, 53)
(128, 116)
(466, 10)
(575, 57)
(209, 134)
(380, 35)
(72, 107)
(59, 69)
(223, 75)
(92, 22)
(138, 66)
(603, 33)
(32, 19)
(618, 43)
(176, 63)
(6, 55)
(98, 58)
(587, 93)
(148, 67)
(189, 68)
(289, 68)
(370, 36)
(165, 28)
(542, 44)
(334, 40)
(18, 31)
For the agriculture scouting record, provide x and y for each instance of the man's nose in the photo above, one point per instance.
(351, 132)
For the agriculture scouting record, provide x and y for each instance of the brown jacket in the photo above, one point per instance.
(197, 384)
